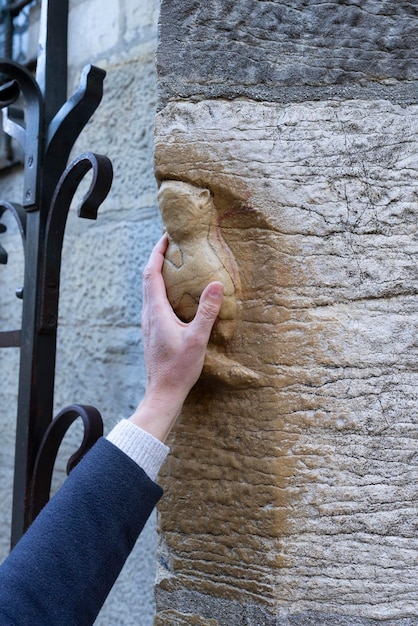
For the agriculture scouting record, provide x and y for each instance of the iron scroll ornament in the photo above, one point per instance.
(47, 145)
(47, 135)
(56, 220)
(48, 450)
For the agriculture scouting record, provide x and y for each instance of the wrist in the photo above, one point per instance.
(144, 449)
(156, 415)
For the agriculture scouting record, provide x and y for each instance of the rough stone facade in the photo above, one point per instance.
(99, 358)
(292, 499)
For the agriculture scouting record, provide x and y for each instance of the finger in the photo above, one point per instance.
(209, 307)
(156, 259)
(153, 282)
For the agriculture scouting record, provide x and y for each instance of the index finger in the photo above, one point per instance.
(153, 283)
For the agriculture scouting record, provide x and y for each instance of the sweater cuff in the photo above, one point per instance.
(147, 451)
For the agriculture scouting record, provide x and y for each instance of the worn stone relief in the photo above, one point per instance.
(196, 255)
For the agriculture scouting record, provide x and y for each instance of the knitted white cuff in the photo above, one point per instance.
(147, 451)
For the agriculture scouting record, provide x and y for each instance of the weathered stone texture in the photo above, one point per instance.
(297, 498)
(274, 50)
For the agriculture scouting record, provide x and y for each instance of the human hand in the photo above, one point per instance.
(174, 351)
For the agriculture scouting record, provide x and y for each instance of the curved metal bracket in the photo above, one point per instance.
(70, 120)
(30, 136)
(51, 442)
(76, 112)
(57, 218)
(24, 82)
(9, 93)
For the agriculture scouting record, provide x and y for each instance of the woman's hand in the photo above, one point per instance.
(173, 350)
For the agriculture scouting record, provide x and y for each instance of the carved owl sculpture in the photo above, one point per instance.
(197, 253)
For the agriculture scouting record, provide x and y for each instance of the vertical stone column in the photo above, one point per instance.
(291, 489)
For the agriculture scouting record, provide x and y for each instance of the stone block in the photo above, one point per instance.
(277, 51)
(295, 498)
(97, 31)
(140, 19)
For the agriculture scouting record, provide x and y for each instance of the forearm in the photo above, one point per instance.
(66, 563)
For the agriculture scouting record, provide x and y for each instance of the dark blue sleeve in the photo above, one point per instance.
(64, 566)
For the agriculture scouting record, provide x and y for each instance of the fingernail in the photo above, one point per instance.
(216, 291)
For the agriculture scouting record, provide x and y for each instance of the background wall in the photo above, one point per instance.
(99, 357)
(293, 501)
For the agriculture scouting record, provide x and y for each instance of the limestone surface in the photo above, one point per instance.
(281, 51)
(294, 501)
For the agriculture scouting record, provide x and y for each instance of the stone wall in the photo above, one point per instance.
(99, 359)
(291, 496)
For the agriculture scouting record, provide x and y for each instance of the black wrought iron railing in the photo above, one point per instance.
(47, 133)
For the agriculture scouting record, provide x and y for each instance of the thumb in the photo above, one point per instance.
(209, 307)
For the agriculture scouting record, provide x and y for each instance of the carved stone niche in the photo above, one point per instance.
(291, 487)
